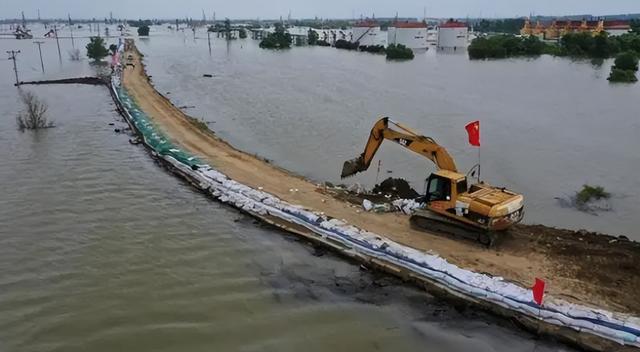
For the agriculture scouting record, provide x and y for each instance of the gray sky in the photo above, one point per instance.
(310, 9)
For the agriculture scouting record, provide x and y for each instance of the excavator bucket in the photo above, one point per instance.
(352, 167)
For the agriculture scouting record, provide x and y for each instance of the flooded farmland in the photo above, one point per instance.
(549, 125)
(100, 250)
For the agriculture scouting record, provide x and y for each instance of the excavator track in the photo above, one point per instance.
(434, 223)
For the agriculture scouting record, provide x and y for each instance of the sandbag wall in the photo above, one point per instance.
(619, 328)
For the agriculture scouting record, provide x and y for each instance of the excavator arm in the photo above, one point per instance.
(404, 136)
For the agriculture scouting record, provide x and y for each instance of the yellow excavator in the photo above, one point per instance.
(453, 206)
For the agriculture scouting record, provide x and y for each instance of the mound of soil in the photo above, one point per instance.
(396, 187)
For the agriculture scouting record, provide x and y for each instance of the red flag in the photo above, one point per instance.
(473, 129)
(538, 291)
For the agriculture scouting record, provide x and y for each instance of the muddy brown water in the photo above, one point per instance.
(548, 125)
(100, 249)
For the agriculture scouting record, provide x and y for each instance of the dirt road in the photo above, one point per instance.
(582, 268)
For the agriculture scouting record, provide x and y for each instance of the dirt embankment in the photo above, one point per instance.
(584, 268)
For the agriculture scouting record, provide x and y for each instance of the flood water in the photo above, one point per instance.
(548, 125)
(102, 250)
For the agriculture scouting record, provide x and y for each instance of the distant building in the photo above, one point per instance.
(556, 29)
(453, 35)
(617, 27)
(367, 32)
(413, 35)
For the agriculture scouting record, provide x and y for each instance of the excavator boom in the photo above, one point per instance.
(404, 136)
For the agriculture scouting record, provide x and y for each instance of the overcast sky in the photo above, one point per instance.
(309, 9)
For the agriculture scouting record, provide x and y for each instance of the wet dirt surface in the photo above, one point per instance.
(599, 263)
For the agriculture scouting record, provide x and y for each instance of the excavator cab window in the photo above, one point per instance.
(439, 188)
(461, 186)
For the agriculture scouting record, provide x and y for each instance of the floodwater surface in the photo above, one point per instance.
(102, 250)
(548, 125)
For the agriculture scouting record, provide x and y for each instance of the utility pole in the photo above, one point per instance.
(73, 44)
(209, 40)
(39, 43)
(12, 56)
(55, 31)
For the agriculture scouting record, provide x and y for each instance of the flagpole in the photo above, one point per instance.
(479, 167)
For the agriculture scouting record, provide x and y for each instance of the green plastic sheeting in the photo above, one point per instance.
(151, 134)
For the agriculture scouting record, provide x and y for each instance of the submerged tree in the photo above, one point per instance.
(96, 49)
(227, 28)
(277, 40)
(624, 68)
(242, 33)
(34, 114)
(143, 31)
(312, 37)
(399, 52)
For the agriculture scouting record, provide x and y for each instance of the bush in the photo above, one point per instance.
(627, 61)
(623, 76)
(345, 44)
(96, 49)
(502, 46)
(376, 49)
(143, 31)
(33, 116)
(312, 37)
(624, 68)
(399, 52)
(589, 193)
(277, 40)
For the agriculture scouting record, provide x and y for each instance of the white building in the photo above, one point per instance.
(615, 28)
(453, 35)
(413, 35)
(367, 33)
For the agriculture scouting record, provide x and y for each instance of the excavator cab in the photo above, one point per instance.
(443, 189)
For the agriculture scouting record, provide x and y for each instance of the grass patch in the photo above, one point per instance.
(201, 125)
(589, 193)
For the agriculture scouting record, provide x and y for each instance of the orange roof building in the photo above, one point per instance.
(557, 28)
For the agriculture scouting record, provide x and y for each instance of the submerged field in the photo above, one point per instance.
(549, 125)
(100, 250)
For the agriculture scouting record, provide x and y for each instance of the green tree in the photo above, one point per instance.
(624, 68)
(143, 31)
(312, 37)
(627, 61)
(501, 46)
(242, 33)
(399, 52)
(622, 76)
(277, 40)
(96, 49)
(603, 47)
(227, 28)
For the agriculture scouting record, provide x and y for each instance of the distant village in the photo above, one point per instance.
(448, 34)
